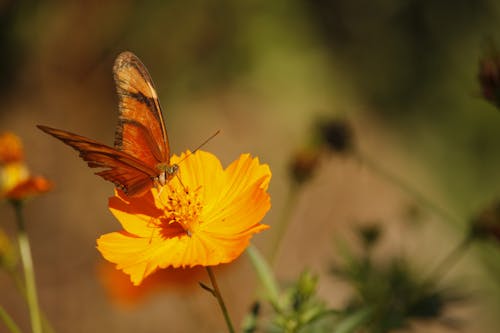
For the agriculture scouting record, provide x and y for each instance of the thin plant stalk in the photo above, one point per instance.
(216, 292)
(283, 223)
(457, 252)
(8, 321)
(450, 259)
(29, 272)
(403, 185)
(46, 325)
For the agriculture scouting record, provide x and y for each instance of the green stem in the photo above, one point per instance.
(9, 322)
(29, 273)
(450, 260)
(282, 225)
(46, 325)
(220, 300)
(403, 185)
(456, 253)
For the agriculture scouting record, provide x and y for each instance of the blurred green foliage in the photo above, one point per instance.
(395, 294)
(301, 308)
(295, 308)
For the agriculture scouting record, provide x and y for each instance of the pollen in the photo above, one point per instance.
(183, 206)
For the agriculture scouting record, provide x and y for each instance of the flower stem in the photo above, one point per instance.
(450, 260)
(29, 273)
(284, 221)
(218, 295)
(8, 321)
(18, 280)
(403, 185)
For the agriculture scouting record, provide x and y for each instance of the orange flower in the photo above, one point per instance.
(15, 180)
(11, 149)
(123, 292)
(205, 216)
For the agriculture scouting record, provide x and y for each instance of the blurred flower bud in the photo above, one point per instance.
(301, 309)
(249, 324)
(303, 165)
(306, 289)
(337, 134)
(489, 77)
(370, 235)
(11, 149)
(487, 223)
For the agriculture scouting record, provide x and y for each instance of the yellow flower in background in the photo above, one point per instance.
(204, 217)
(15, 180)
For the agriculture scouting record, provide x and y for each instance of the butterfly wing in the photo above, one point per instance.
(141, 141)
(141, 130)
(127, 172)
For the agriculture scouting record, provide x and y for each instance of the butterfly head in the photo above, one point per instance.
(166, 172)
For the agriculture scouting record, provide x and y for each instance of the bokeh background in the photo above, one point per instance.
(404, 73)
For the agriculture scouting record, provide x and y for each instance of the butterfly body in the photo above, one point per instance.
(166, 172)
(140, 157)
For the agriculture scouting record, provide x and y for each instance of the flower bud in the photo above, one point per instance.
(337, 134)
(489, 78)
(303, 165)
(487, 223)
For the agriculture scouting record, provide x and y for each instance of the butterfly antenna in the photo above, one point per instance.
(201, 145)
(191, 153)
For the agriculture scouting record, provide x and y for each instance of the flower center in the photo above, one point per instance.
(183, 207)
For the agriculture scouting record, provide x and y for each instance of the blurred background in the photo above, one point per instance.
(403, 73)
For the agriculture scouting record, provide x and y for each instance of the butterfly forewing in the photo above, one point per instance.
(141, 130)
(122, 169)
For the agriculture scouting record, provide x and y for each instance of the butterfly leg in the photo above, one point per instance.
(159, 187)
(152, 224)
(180, 181)
(160, 191)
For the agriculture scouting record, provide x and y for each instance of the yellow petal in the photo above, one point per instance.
(138, 215)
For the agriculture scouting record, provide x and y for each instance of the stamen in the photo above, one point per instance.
(183, 206)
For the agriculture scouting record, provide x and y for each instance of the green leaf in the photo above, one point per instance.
(207, 288)
(352, 322)
(265, 274)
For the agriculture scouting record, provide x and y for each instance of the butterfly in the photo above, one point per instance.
(140, 158)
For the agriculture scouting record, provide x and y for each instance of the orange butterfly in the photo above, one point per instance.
(141, 156)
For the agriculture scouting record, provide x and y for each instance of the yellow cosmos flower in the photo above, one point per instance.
(205, 216)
